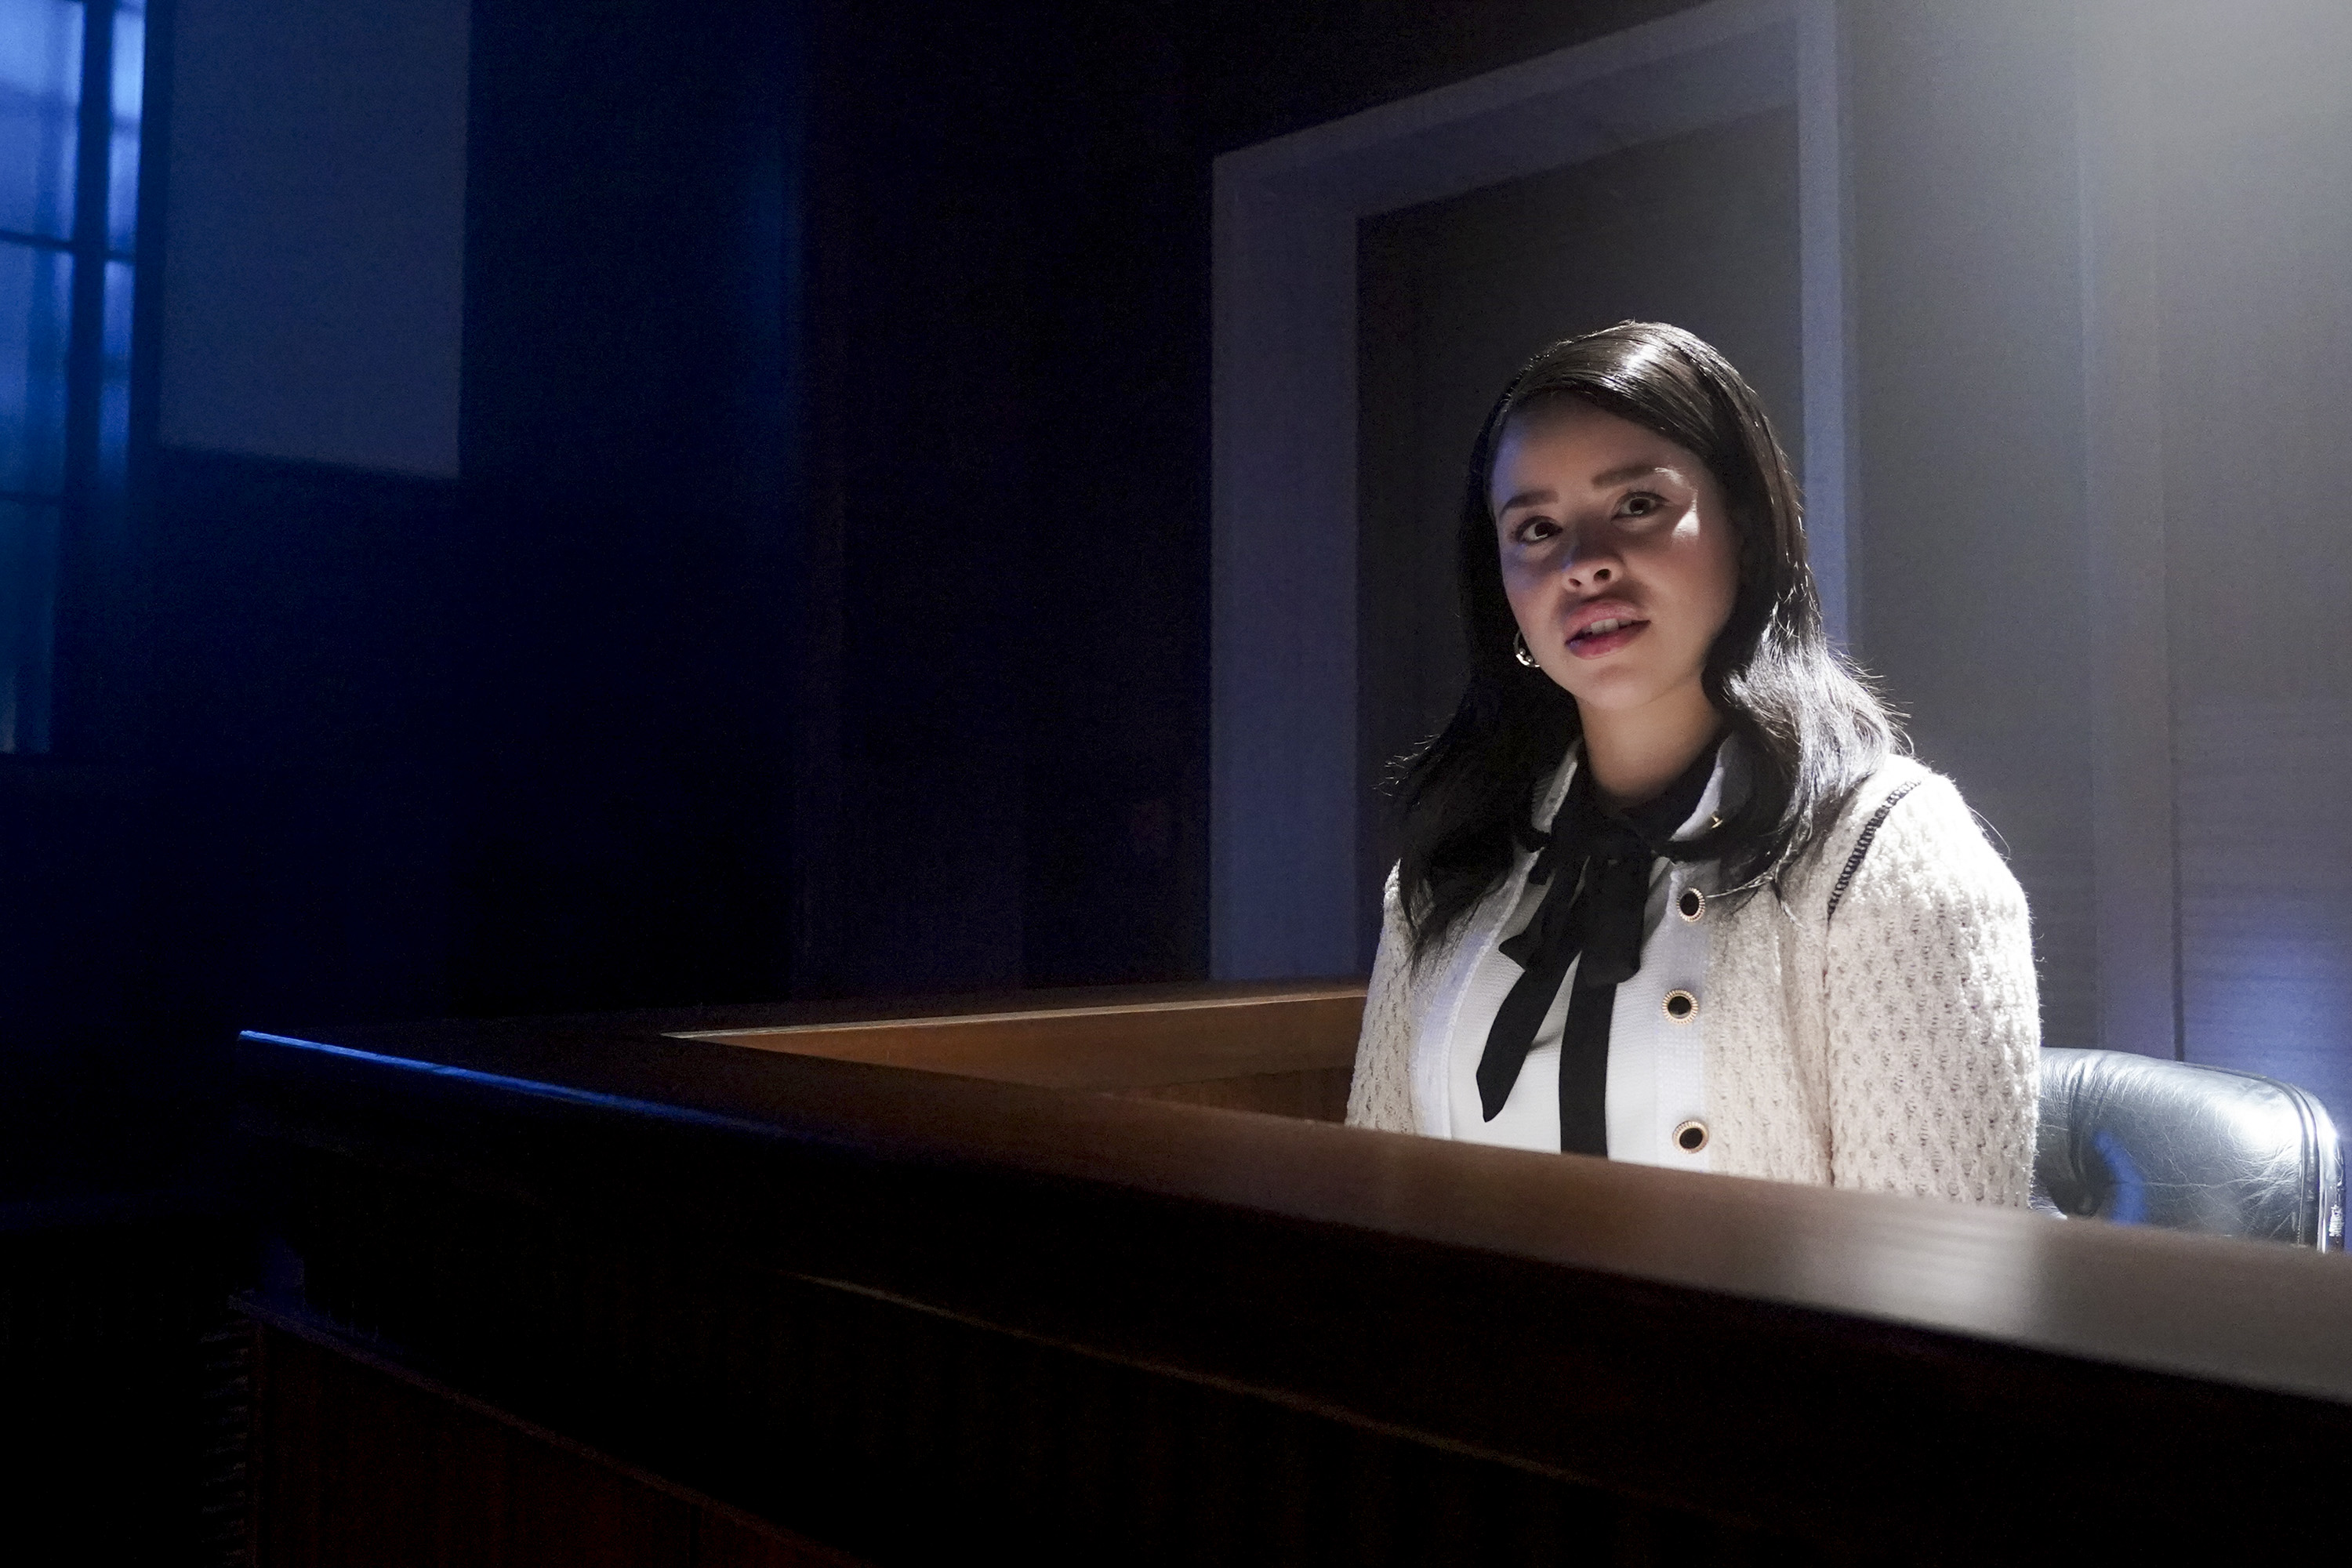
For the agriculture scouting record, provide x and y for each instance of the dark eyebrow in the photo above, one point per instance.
(1631, 471)
(1600, 482)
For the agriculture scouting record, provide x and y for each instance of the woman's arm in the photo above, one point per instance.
(1380, 1094)
(1933, 1018)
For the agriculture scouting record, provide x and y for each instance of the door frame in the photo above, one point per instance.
(1283, 806)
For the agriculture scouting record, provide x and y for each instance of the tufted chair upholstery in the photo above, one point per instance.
(2140, 1141)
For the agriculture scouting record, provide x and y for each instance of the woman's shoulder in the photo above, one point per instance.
(1906, 835)
(1870, 805)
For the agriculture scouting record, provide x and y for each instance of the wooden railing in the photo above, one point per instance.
(1282, 1048)
(902, 1284)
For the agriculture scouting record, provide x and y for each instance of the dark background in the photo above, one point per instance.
(822, 604)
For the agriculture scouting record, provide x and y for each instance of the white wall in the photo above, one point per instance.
(314, 236)
(2101, 254)
(1968, 543)
(2252, 209)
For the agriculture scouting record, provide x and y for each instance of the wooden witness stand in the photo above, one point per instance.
(1286, 1049)
(797, 1285)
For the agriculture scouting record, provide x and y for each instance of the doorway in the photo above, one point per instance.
(1453, 296)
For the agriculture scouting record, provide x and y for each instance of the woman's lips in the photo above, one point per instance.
(1600, 644)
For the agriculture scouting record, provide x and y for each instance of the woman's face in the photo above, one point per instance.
(1617, 555)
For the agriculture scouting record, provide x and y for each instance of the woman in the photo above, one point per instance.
(1670, 892)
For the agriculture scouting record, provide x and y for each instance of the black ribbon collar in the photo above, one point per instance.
(1595, 863)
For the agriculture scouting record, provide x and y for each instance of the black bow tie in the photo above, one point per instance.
(1596, 865)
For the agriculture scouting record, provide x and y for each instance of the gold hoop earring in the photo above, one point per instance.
(1520, 650)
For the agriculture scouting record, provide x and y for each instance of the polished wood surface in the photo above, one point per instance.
(635, 1237)
(1287, 1050)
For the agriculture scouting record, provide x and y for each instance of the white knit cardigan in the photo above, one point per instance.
(1893, 1045)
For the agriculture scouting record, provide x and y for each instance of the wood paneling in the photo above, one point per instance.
(1210, 1033)
(911, 1435)
(358, 1467)
(1319, 1095)
(1116, 1330)
(121, 1423)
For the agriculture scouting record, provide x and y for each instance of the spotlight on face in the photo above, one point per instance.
(1618, 557)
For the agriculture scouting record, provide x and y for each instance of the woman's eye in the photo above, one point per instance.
(1537, 529)
(1639, 505)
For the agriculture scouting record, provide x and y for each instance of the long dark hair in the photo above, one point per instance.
(1810, 729)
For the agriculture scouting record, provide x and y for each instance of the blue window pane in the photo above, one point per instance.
(40, 86)
(130, 77)
(28, 564)
(36, 305)
(114, 384)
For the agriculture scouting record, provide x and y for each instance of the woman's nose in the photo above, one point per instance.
(1588, 568)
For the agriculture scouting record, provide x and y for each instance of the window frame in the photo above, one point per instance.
(93, 482)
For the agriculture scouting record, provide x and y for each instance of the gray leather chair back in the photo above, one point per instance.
(2141, 1141)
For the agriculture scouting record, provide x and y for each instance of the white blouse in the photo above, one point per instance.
(1657, 1063)
(1871, 1023)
